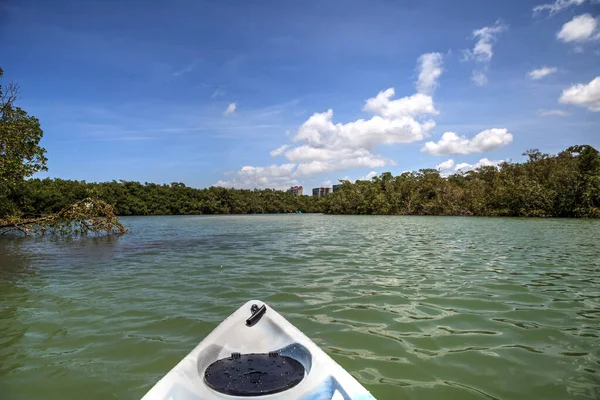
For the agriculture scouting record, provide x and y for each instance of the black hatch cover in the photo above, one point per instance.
(253, 374)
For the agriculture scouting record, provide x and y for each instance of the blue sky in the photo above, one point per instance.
(202, 92)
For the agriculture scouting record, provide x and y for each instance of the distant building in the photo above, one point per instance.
(295, 190)
(337, 187)
(321, 191)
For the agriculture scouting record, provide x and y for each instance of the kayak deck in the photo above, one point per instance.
(258, 330)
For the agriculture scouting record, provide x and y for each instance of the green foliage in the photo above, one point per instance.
(562, 185)
(45, 196)
(20, 153)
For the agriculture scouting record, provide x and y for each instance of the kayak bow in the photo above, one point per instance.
(256, 352)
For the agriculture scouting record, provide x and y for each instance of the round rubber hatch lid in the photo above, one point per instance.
(253, 374)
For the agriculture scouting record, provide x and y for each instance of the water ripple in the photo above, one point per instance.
(414, 307)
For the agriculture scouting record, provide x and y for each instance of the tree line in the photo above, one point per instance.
(44, 196)
(563, 185)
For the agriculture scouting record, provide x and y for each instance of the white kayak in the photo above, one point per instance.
(257, 352)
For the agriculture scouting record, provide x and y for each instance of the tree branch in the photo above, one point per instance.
(8, 97)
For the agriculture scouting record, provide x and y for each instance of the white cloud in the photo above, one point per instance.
(445, 165)
(585, 95)
(333, 146)
(330, 146)
(279, 151)
(483, 51)
(557, 113)
(410, 106)
(273, 176)
(316, 167)
(541, 72)
(321, 145)
(449, 167)
(368, 177)
(558, 6)
(308, 153)
(484, 162)
(313, 161)
(451, 143)
(430, 69)
(581, 28)
(479, 77)
(230, 110)
(320, 132)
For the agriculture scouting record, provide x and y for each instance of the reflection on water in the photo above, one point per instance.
(414, 307)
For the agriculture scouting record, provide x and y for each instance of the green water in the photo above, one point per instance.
(413, 307)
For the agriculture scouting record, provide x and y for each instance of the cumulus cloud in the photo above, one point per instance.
(557, 113)
(557, 6)
(445, 165)
(411, 106)
(584, 95)
(541, 72)
(315, 167)
(449, 167)
(484, 162)
(329, 146)
(273, 176)
(580, 29)
(313, 161)
(325, 146)
(451, 143)
(307, 154)
(230, 110)
(320, 132)
(279, 151)
(430, 69)
(486, 36)
(479, 77)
